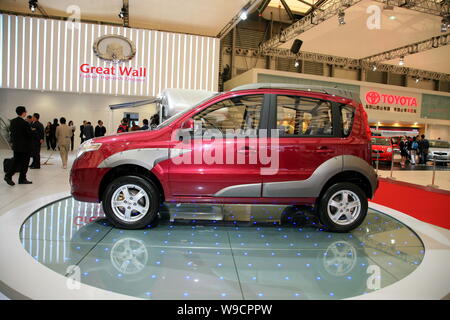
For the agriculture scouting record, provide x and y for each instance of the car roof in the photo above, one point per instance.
(321, 89)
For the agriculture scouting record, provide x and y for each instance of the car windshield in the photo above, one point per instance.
(381, 141)
(439, 144)
(179, 114)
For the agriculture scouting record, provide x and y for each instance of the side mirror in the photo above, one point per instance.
(188, 124)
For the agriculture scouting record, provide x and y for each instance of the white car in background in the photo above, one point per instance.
(440, 151)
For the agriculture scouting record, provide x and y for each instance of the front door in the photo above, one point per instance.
(221, 164)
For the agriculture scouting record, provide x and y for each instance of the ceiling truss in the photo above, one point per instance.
(249, 7)
(436, 8)
(310, 20)
(340, 61)
(327, 9)
(424, 45)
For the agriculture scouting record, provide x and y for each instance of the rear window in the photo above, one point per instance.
(303, 116)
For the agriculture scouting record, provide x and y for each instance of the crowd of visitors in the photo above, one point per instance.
(27, 135)
(414, 150)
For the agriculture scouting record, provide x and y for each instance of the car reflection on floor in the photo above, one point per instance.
(222, 259)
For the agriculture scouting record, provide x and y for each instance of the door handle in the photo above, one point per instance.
(324, 150)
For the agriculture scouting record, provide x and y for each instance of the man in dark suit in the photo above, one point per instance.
(88, 131)
(37, 129)
(82, 137)
(100, 130)
(21, 144)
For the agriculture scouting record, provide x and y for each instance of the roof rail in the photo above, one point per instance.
(327, 90)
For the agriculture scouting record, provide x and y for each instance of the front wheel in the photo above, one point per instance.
(342, 207)
(131, 202)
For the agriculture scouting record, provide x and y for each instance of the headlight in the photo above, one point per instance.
(389, 149)
(88, 146)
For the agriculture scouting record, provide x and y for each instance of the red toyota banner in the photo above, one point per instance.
(393, 101)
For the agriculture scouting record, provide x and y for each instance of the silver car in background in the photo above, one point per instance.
(440, 151)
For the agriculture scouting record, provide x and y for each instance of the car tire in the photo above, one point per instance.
(131, 202)
(338, 215)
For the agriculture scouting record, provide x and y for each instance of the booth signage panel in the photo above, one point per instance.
(55, 55)
(391, 101)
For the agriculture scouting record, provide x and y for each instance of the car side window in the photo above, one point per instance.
(239, 113)
(347, 115)
(303, 116)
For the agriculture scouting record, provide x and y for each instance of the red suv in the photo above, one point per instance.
(256, 144)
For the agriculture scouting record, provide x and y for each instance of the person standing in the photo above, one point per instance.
(134, 126)
(123, 126)
(21, 144)
(82, 137)
(88, 131)
(154, 121)
(100, 130)
(53, 134)
(403, 151)
(424, 146)
(47, 135)
(37, 130)
(73, 134)
(414, 147)
(63, 135)
(145, 126)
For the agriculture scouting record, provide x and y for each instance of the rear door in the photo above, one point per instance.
(308, 129)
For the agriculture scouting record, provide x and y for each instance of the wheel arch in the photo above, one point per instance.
(127, 169)
(350, 176)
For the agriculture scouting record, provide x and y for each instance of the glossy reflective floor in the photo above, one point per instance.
(220, 260)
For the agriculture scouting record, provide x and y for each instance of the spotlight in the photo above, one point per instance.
(402, 61)
(296, 63)
(374, 67)
(244, 15)
(341, 16)
(32, 4)
(392, 17)
(296, 45)
(417, 79)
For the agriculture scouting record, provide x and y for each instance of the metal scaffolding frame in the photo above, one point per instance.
(339, 61)
(420, 46)
(323, 12)
(249, 7)
(434, 7)
(331, 8)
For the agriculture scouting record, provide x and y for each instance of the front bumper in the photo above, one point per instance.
(85, 178)
(85, 183)
(438, 158)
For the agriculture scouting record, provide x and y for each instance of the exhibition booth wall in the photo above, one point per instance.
(77, 70)
(56, 55)
(383, 103)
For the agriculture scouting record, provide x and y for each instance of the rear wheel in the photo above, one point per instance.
(131, 202)
(342, 207)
